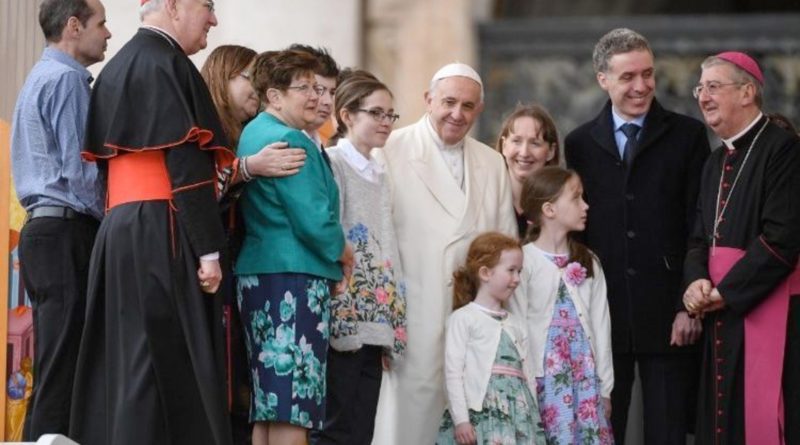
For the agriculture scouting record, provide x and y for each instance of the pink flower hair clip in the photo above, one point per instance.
(574, 274)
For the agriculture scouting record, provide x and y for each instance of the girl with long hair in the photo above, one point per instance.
(563, 299)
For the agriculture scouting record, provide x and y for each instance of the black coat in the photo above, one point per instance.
(640, 218)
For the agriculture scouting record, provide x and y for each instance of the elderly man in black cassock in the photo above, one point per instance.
(742, 264)
(149, 368)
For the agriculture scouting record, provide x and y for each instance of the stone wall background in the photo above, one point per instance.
(548, 61)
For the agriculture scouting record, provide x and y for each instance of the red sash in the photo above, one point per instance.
(138, 176)
(764, 347)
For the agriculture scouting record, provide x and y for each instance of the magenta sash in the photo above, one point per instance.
(764, 346)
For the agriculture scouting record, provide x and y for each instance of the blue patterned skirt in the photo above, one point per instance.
(569, 393)
(285, 318)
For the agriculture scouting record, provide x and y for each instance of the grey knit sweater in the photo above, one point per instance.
(372, 311)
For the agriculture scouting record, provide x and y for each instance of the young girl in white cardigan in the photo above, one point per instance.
(562, 296)
(486, 374)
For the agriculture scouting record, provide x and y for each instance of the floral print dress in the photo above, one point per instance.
(569, 393)
(285, 318)
(509, 414)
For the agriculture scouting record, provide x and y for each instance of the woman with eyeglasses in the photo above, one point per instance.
(290, 257)
(368, 318)
(227, 72)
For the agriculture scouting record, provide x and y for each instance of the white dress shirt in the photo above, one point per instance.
(367, 168)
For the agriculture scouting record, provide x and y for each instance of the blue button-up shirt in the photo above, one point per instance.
(619, 136)
(47, 134)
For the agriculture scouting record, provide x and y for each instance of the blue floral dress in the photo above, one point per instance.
(509, 414)
(569, 393)
(285, 318)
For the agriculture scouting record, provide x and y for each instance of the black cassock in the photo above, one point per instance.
(150, 364)
(762, 217)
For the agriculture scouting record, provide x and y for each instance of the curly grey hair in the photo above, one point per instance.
(617, 41)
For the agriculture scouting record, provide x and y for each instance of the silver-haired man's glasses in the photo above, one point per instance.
(711, 88)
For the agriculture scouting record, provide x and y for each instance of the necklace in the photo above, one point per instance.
(720, 212)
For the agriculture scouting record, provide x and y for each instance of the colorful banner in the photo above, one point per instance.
(16, 324)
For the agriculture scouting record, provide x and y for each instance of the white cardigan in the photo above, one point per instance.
(470, 349)
(534, 300)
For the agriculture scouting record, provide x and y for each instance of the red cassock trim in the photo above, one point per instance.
(223, 156)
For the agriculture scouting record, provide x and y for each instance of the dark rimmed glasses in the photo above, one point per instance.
(380, 115)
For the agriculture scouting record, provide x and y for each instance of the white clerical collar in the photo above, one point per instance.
(457, 147)
(729, 142)
(366, 167)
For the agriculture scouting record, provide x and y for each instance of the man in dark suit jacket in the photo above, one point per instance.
(641, 167)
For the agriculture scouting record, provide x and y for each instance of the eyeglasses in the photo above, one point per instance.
(321, 89)
(308, 89)
(711, 88)
(380, 115)
(210, 5)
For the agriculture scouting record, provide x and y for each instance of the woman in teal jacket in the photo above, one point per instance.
(289, 259)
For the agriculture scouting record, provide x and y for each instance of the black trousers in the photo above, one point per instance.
(669, 387)
(54, 256)
(353, 383)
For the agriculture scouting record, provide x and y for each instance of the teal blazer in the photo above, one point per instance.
(292, 223)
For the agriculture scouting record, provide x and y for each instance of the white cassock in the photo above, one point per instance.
(435, 221)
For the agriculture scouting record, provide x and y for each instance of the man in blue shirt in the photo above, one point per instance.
(63, 198)
(641, 166)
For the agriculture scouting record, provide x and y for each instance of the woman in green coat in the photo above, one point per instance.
(289, 258)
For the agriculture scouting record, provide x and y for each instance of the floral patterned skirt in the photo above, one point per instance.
(285, 318)
(569, 393)
(509, 415)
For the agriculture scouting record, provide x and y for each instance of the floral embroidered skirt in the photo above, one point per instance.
(285, 318)
(569, 393)
(509, 415)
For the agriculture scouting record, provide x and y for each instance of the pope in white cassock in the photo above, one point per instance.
(447, 189)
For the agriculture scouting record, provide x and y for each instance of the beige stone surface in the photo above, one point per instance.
(406, 41)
